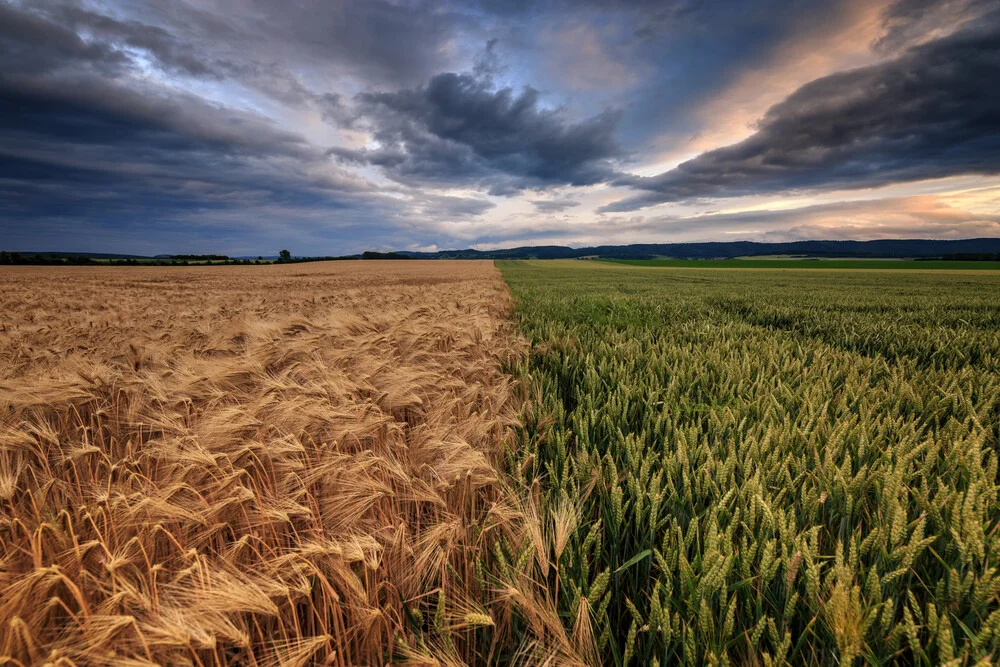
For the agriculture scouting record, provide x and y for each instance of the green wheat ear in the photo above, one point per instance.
(810, 460)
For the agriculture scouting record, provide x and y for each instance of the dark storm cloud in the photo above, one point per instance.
(457, 130)
(265, 45)
(375, 40)
(80, 131)
(57, 86)
(930, 113)
(31, 44)
(171, 53)
(41, 36)
(84, 109)
(88, 145)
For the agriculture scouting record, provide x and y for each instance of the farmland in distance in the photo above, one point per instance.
(824, 264)
(764, 467)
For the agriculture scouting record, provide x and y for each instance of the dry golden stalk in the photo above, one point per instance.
(250, 465)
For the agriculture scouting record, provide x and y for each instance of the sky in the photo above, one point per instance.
(330, 127)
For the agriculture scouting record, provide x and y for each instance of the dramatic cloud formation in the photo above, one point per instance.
(926, 114)
(198, 126)
(458, 130)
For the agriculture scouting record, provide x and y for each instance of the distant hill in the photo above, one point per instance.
(368, 254)
(903, 249)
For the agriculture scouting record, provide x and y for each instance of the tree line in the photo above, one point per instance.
(17, 258)
(284, 257)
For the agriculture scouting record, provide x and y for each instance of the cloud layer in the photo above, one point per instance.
(200, 126)
(457, 130)
(923, 115)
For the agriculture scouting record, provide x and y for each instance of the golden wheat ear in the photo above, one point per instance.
(288, 466)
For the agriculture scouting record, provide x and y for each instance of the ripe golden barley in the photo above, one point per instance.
(253, 465)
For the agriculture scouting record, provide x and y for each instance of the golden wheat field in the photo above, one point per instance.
(253, 465)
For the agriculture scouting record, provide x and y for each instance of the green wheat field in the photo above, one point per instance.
(764, 467)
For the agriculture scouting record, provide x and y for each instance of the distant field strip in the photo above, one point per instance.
(765, 467)
(253, 465)
(859, 264)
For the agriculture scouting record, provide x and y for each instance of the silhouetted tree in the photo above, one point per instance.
(284, 256)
